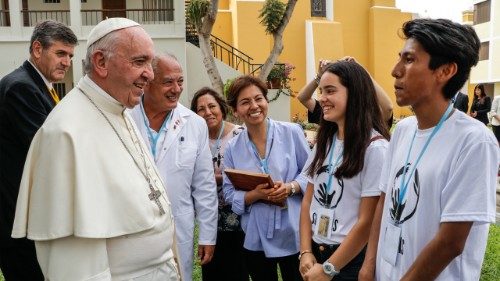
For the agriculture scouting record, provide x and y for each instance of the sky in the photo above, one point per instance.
(450, 9)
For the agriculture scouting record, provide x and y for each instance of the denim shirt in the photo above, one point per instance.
(269, 228)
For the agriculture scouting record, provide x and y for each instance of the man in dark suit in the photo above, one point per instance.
(26, 98)
(461, 102)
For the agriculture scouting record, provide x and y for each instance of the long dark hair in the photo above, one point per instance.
(361, 116)
(481, 88)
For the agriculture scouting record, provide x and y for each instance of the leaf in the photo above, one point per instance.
(196, 10)
(271, 14)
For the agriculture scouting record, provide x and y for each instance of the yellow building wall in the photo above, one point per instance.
(470, 93)
(294, 51)
(366, 30)
(223, 30)
(224, 4)
(223, 26)
(327, 41)
(383, 48)
(353, 15)
(248, 34)
(328, 44)
(496, 90)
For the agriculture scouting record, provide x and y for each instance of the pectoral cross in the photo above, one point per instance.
(155, 195)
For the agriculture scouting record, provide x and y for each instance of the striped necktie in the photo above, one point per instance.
(54, 95)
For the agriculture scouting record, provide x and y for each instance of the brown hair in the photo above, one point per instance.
(241, 83)
(209, 91)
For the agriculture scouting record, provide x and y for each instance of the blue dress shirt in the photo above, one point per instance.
(269, 228)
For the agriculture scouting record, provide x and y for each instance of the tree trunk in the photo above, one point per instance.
(204, 32)
(209, 63)
(278, 41)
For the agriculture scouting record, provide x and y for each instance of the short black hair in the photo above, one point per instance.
(48, 31)
(446, 42)
(209, 91)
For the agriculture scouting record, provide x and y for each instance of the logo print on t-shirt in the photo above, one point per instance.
(402, 211)
(326, 200)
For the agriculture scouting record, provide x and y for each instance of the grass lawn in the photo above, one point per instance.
(489, 272)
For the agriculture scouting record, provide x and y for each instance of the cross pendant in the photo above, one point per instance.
(155, 195)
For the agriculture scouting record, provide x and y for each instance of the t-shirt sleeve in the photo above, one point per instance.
(469, 193)
(372, 169)
(386, 164)
(307, 164)
(315, 116)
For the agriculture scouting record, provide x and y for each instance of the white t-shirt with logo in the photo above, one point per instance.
(336, 211)
(455, 181)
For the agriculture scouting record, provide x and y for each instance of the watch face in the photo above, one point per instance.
(329, 269)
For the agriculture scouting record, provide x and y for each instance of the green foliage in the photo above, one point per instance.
(271, 14)
(491, 265)
(226, 86)
(196, 10)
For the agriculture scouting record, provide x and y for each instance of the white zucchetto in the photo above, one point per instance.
(107, 26)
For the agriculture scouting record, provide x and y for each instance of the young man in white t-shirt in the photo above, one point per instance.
(438, 180)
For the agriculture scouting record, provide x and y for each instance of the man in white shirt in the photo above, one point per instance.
(177, 139)
(91, 197)
(434, 212)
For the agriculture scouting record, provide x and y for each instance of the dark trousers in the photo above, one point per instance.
(18, 261)
(228, 262)
(350, 272)
(265, 269)
(496, 131)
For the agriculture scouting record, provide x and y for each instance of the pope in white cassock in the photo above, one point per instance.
(178, 141)
(91, 197)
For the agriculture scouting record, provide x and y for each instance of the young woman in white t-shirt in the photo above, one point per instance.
(344, 170)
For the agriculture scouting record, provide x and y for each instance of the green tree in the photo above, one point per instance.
(275, 16)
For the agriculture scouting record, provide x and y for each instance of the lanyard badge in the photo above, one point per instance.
(403, 187)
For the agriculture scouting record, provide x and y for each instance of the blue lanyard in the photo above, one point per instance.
(404, 185)
(330, 167)
(153, 140)
(263, 162)
(217, 142)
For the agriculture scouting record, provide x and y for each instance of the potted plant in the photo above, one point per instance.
(279, 78)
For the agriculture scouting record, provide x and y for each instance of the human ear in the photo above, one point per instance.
(100, 63)
(447, 71)
(36, 49)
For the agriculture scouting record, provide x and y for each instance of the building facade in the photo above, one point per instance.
(320, 29)
(486, 22)
(164, 20)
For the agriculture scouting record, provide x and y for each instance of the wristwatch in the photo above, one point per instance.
(292, 188)
(329, 269)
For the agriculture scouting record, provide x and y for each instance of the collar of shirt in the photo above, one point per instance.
(99, 90)
(47, 83)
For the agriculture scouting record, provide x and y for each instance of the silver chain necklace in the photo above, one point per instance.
(154, 194)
